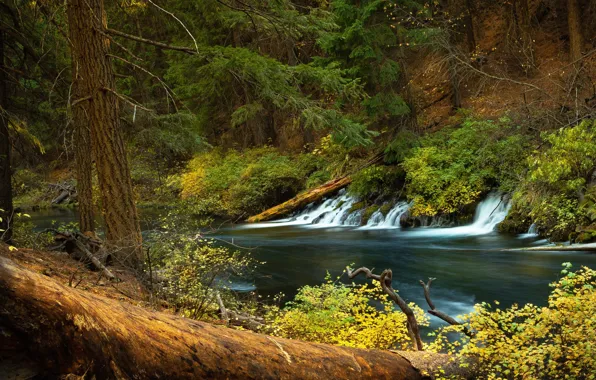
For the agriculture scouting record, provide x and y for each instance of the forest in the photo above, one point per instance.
(197, 189)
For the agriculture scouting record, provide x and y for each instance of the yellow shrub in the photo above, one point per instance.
(357, 316)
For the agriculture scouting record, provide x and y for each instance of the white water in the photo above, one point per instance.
(490, 212)
(336, 212)
(532, 232)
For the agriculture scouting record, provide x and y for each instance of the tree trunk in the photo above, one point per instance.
(6, 210)
(83, 156)
(469, 20)
(575, 31)
(73, 331)
(86, 19)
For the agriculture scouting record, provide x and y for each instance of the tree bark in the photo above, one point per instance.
(72, 331)
(83, 156)
(469, 20)
(90, 48)
(6, 209)
(575, 31)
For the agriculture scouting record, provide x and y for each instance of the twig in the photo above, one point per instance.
(184, 49)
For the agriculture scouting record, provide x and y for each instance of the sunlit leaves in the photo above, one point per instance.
(354, 316)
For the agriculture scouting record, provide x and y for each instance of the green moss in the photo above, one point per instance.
(368, 213)
(386, 207)
(339, 204)
(358, 206)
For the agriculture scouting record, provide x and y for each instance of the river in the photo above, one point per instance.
(472, 264)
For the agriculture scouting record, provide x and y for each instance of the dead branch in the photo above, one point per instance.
(437, 313)
(183, 49)
(385, 279)
(94, 259)
(81, 242)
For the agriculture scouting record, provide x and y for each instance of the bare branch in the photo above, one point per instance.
(180, 22)
(127, 99)
(118, 33)
(385, 279)
(437, 313)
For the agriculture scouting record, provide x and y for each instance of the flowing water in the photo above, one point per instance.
(471, 263)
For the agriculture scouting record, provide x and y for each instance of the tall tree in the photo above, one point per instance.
(83, 156)
(96, 85)
(575, 31)
(5, 148)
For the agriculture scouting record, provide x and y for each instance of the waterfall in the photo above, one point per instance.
(532, 232)
(336, 211)
(490, 212)
(394, 215)
(375, 219)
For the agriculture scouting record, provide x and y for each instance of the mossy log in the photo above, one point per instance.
(70, 331)
(302, 200)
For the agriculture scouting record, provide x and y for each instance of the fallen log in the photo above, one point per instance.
(69, 331)
(301, 200)
(316, 194)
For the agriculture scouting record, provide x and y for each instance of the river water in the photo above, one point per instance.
(471, 263)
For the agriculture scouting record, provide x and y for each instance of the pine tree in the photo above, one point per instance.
(96, 85)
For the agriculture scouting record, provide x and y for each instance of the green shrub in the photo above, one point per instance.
(453, 167)
(376, 181)
(558, 192)
(195, 271)
(236, 183)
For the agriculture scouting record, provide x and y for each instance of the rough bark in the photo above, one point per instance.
(302, 200)
(83, 156)
(5, 150)
(72, 331)
(575, 31)
(90, 48)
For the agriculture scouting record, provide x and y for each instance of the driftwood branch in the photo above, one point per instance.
(385, 279)
(437, 313)
(94, 259)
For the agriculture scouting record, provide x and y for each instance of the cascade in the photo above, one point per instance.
(490, 212)
(336, 212)
(532, 232)
(394, 215)
(375, 219)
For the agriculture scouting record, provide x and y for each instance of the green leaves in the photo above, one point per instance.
(454, 167)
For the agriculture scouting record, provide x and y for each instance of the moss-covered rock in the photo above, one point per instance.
(368, 213)
(357, 206)
(516, 222)
(386, 207)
